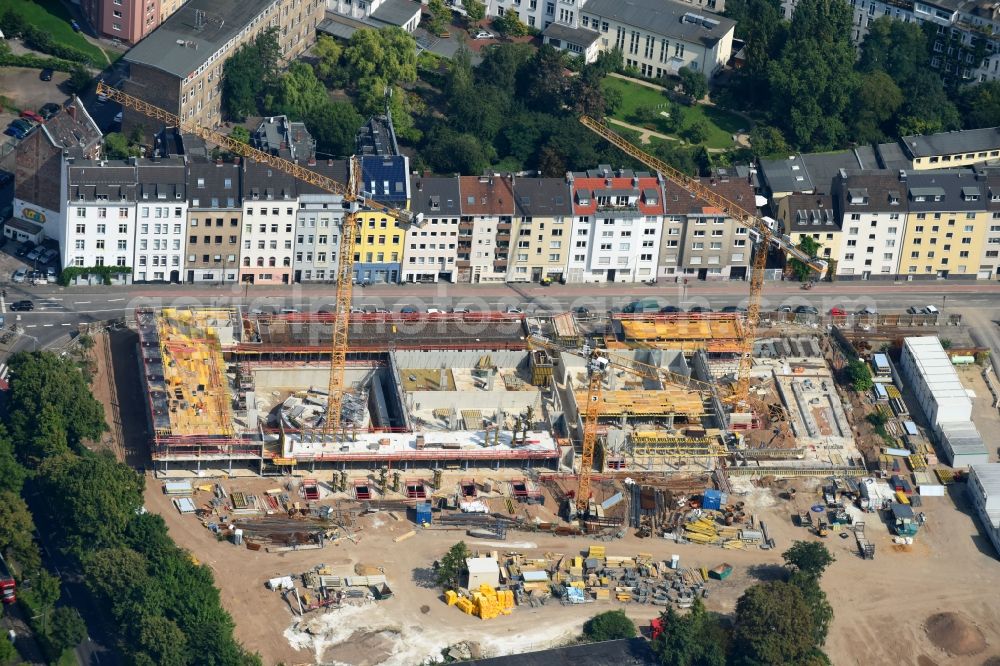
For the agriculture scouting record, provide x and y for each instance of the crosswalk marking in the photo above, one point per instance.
(3, 371)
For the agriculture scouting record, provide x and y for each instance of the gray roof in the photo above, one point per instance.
(879, 188)
(276, 135)
(263, 183)
(396, 12)
(543, 197)
(377, 137)
(824, 167)
(787, 175)
(962, 190)
(339, 26)
(564, 33)
(891, 156)
(72, 128)
(180, 47)
(94, 180)
(950, 143)
(435, 196)
(335, 169)
(811, 213)
(670, 19)
(163, 179)
(212, 177)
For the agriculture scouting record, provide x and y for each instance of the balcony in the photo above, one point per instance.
(504, 226)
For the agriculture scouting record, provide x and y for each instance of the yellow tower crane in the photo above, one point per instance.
(759, 229)
(598, 363)
(352, 194)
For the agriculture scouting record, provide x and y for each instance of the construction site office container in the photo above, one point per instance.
(482, 570)
(423, 513)
(933, 381)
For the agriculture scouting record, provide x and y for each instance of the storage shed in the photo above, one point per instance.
(962, 444)
(932, 379)
(482, 570)
(880, 364)
(984, 493)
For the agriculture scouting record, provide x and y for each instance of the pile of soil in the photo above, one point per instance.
(954, 634)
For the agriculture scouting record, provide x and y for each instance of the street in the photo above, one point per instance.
(58, 310)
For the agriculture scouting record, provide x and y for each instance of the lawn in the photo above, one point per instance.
(52, 17)
(722, 124)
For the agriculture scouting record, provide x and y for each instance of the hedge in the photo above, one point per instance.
(39, 40)
(106, 272)
(8, 59)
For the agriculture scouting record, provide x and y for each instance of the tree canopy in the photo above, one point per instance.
(694, 639)
(249, 73)
(452, 566)
(609, 626)
(809, 557)
(773, 625)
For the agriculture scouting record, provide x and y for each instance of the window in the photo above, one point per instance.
(81, 228)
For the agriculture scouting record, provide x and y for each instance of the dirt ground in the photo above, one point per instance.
(25, 90)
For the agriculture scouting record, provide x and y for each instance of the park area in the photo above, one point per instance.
(51, 17)
(643, 106)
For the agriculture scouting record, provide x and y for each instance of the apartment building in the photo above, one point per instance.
(873, 210)
(431, 250)
(947, 226)
(713, 245)
(812, 215)
(101, 206)
(319, 226)
(541, 230)
(158, 249)
(403, 14)
(657, 37)
(179, 66)
(39, 172)
(617, 223)
(487, 213)
(270, 200)
(127, 21)
(378, 254)
(989, 263)
(214, 221)
(949, 150)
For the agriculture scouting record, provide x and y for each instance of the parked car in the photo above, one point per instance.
(867, 310)
(513, 310)
(46, 74)
(19, 276)
(379, 310)
(35, 254)
(22, 306)
(50, 275)
(460, 310)
(484, 34)
(15, 131)
(733, 308)
(700, 309)
(931, 310)
(31, 115)
(26, 247)
(671, 309)
(48, 256)
(76, 26)
(435, 311)
(407, 310)
(783, 308)
(354, 310)
(806, 309)
(838, 312)
(49, 111)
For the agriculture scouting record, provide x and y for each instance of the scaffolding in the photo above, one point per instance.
(648, 403)
(716, 333)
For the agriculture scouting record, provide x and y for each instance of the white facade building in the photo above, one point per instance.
(932, 380)
(319, 227)
(430, 250)
(101, 207)
(873, 212)
(984, 493)
(162, 217)
(614, 214)
(269, 214)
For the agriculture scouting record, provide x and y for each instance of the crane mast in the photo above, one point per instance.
(353, 196)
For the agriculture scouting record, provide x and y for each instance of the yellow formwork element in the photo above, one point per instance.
(465, 605)
(666, 402)
(597, 551)
(450, 597)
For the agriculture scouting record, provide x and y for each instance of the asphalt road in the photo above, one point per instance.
(58, 310)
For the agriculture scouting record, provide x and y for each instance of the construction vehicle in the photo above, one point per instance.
(760, 231)
(8, 586)
(599, 362)
(357, 199)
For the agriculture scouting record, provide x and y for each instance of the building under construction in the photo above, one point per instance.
(229, 390)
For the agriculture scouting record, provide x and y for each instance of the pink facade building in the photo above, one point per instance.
(126, 20)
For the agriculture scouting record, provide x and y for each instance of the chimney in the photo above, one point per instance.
(71, 110)
(329, 162)
(311, 161)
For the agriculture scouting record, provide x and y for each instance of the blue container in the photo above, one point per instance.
(423, 511)
(712, 499)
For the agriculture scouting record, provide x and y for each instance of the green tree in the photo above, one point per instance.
(693, 83)
(510, 25)
(800, 270)
(329, 53)
(897, 48)
(502, 66)
(17, 530)
(767, 140)
(475, 10)
(79, 79)
(452, 566)
(389, 54)
(928, 107)
(759, 23)
(11, 473)
(772, 625)
(980, 105)
(334, 125)
(249, 73)
(66, 629)
(876, 102)
(695, 639)
(609, 626)
(162, 641)
(43, 595)
(299, 93)
(815, 598)
(440, 16)
(116, 146)
(241, 134)
(809, 557)
(858, 375)
(90, 499)
(541, 84)
(7, 652)
(696, 132)
(452, 152)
